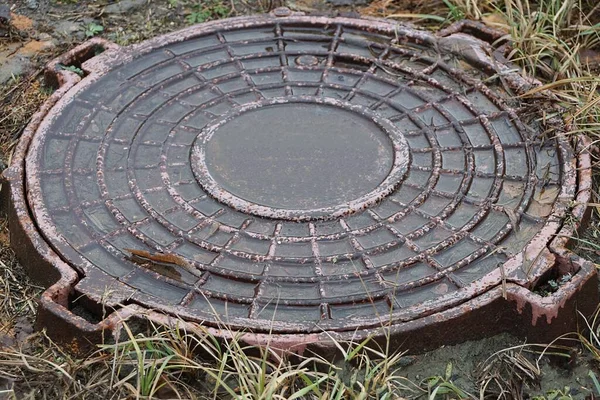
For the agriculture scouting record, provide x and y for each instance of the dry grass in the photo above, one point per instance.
(18, 101)
(168, 362)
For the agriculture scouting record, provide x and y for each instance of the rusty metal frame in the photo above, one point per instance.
(510, 304)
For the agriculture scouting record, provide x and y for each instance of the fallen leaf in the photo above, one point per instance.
(497, 20)
(6, 341)
(512, 216)
(543, 201)
(590, 58)
(23, 329)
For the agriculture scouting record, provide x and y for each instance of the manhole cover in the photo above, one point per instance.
(294, 175)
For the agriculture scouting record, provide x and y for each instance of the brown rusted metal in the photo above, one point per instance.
(299, 178)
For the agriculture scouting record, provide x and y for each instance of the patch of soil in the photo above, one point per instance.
(508, 368)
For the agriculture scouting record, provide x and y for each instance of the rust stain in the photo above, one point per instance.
(21, 22)
(34, 47)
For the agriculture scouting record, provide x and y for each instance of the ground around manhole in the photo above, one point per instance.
(31, 367)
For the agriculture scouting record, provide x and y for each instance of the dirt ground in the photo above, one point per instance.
(34, 31)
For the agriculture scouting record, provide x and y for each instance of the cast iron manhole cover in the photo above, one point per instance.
(295, 175)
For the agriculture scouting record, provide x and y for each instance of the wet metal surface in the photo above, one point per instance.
(300, 174)
(299, 156)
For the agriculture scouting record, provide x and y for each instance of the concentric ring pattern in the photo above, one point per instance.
(116, 173)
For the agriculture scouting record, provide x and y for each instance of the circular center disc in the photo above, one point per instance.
(304, 160)
(299, 156)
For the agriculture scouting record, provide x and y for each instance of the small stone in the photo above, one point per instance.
(282, 12)
(4, 15)
(32, 4)
(18, 62)
(406, 361)
(44, 37)
(69, 29)
(14, 67)
(124, 6)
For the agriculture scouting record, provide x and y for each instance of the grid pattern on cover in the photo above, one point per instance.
(116, 172)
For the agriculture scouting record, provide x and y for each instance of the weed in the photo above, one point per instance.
(206, 11)
(552, 285)
(72, 68)
(546, 40)
(367, 371)
(93, 29)
(594, 379)
(455, 13)
(439, 385)
(471, 9)
(556, 394)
